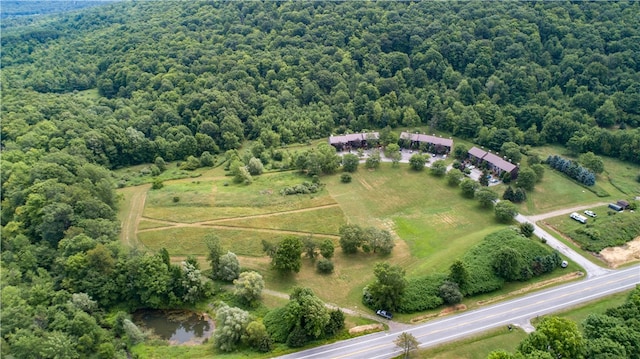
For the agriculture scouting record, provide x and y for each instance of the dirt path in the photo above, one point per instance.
(170, 224)
(212, 223)
(365, 184)
(273, 213)
(539, 217)
(134, 214)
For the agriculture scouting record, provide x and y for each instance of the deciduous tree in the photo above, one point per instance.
(350, 162)
(231, 324)
(486, 197)
(407, 342)
(417, 161)
(286, 257)
(249, 286)
(228, 267)
(505, 211)
(388, 289)
(469, 187)
(558, 336)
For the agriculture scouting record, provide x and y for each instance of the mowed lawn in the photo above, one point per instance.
(436, 222)
(558, 191)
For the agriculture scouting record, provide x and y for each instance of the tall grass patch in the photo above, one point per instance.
(477, 347)
(609, 229)
(219, 198)
(190, 240)
(321, 220)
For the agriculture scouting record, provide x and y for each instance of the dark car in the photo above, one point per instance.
(384, 314)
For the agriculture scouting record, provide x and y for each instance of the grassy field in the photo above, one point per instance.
(556, 191)
(618, 178)
(421, 209)
(182, 241)
(436, 224)
(207, 199)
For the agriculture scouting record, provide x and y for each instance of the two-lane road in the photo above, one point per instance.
(454, 327)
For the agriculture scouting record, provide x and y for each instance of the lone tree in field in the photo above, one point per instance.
(285, 257)
(327, 248)
(407, 342)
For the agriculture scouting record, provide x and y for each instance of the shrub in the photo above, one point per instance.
(297, 338)
(157, 184)
(303, 188)
(422, 293)
(527, 229)
(450, 292)
(176, 199)
(336, 323)
(277, 324)
(345, 178)
(324, 266)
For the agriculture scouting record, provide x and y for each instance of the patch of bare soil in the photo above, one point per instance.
(445, 311)
(452, 309)
(617, 256)
(613, 257)
(369, 328)
(532, 287)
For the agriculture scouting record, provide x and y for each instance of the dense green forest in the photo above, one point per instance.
(124, 83)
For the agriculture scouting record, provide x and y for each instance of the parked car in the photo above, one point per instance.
(384, 314)
(590, 214)
(564, 264)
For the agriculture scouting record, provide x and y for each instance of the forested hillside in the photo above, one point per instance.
(179, 78)
(124, 83)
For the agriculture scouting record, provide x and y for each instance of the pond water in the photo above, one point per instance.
(177, 327)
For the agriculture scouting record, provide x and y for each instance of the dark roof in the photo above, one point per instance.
(499, 162)
(352, 137)
(476, 152)
(426, 138)
(623, 203)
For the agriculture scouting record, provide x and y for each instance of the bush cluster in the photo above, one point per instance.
(422, 293)
(572, 169)
(303, 188)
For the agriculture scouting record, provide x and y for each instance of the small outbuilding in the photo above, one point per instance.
(623, 204)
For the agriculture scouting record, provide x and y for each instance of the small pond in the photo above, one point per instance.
(177, 327)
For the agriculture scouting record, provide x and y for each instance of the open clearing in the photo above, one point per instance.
(433, 223)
